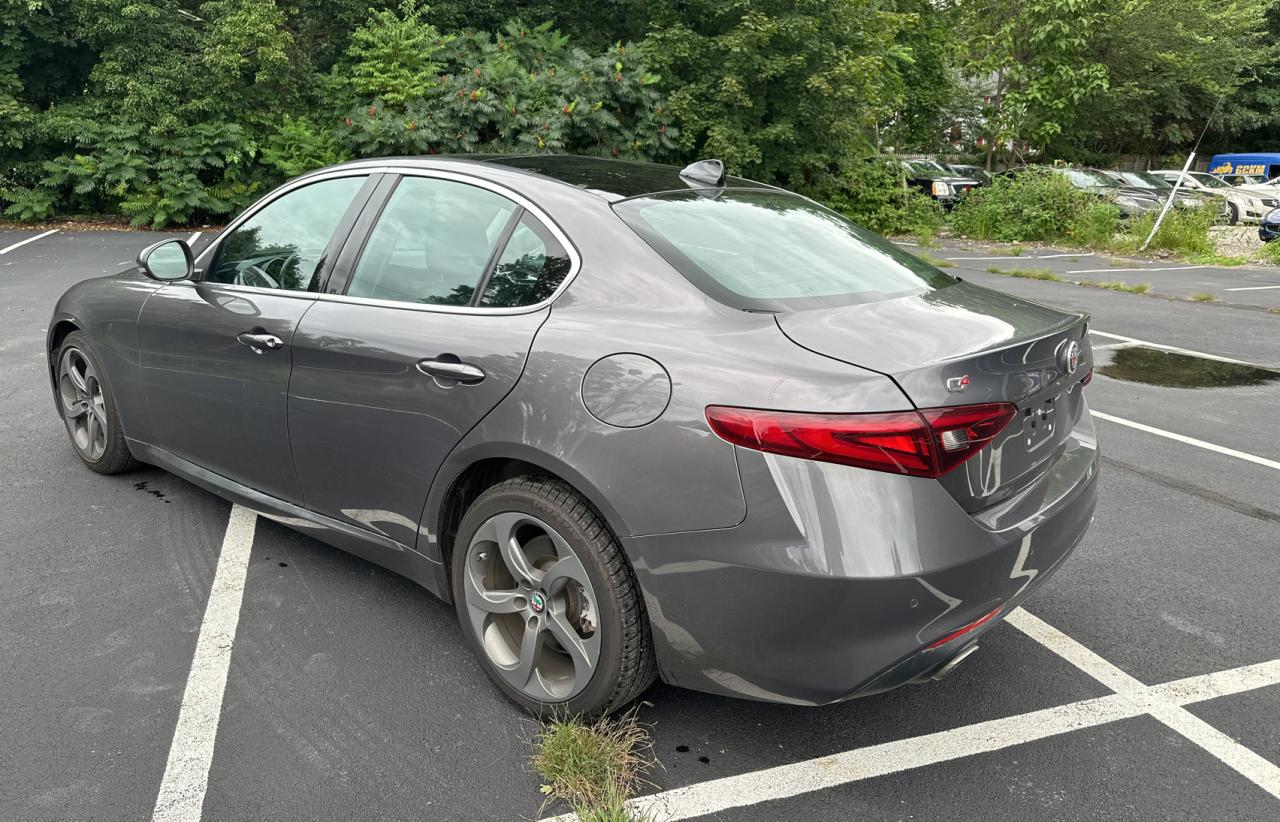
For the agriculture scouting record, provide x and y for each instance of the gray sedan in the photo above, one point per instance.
(635, 421)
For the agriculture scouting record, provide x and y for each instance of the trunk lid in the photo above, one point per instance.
(964, 345)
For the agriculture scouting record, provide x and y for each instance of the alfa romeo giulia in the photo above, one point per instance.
(634, 420)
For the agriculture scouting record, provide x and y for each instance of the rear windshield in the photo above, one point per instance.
(773, 251)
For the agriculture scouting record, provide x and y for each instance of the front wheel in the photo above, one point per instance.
(548, 601)
(89, 409)
(1233, 213)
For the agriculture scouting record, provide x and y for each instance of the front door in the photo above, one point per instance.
(433, 329)
(216, 351)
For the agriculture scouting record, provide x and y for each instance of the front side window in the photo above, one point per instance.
(432, 243)
(282, 245)
(774, 251)
(531, 268)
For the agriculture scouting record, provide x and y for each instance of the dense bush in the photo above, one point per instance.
(874, 195)
(1035, 207)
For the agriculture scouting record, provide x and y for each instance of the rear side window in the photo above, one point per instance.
(774, 251)
(432, 243)
(531, 268)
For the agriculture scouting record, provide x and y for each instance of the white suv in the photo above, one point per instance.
(1243, 205)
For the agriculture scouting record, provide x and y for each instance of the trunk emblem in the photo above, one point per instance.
(957, 384)
(1069, 356)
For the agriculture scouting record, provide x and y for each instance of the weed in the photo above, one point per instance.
(994, 269)
(595, 767)
(1017, 251)
(936, 262)
(1184, 232)
(1220, 260)
(1033, 274)
(1116, 285)
(1204, 297)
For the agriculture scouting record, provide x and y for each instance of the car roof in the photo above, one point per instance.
(605, 177)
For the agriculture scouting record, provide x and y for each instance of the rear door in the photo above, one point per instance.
(216, 351)
(428, 329)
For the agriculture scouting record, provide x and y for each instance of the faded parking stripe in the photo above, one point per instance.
(186, 774)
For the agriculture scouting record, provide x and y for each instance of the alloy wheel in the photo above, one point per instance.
(83, 405)
(532, 606)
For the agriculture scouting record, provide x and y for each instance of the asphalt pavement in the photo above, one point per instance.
(350, 693)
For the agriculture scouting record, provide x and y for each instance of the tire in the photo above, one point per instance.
(100, 443)
(1233, 213)
(602, 604)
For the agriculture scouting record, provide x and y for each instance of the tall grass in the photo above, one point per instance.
(1035, 206)
(1184, 231)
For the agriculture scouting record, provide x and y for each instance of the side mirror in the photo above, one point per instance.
(167, 261)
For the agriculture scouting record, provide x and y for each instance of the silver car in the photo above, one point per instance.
(635, 421)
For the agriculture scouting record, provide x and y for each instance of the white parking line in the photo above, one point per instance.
(1247, 763)
(21, 243)
(1253, 288)
(785, 781)
(1221, 449)
(186, 774)
(192, 239)
(1106, 270)
(1175, 349)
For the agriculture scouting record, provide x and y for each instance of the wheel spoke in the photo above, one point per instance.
(91, 428)
(567, 568)
(583, 652)
(74, 410)
(530, 649)
(504, 535)
(77, 378)
(492, 602)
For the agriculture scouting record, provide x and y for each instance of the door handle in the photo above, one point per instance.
(448, 370)
(260, 341)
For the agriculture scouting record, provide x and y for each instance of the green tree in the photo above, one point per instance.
(1036, 58)
(779, 89)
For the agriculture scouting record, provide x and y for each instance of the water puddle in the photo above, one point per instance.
(1152, 366)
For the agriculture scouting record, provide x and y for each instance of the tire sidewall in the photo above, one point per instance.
(604, 681)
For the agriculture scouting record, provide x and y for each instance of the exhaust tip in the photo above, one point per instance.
(953, 663)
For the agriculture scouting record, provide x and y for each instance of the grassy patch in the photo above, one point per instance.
(594, 768)
(1204, 297)
(1033, 274)
(1017, 251)
(936, 262)
(1116, 285)
(1220, 260)
(1184, 231)
(1026, 273)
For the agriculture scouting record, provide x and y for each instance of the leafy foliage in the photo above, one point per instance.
(874, 195)
(1034, 207)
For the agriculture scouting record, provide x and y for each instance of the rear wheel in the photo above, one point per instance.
(89, 409)
(548, 601)
(1233, 213)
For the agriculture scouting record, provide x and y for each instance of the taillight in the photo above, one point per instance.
(1087, 378)
(965, 629)
(925, 443)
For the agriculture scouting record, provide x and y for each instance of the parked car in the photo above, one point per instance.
(1247, 180)
(1269, 229)
(1161, 188)
(932, 178)
(1132, 202)
(1243, 205)
(632, 420)
(971, 172)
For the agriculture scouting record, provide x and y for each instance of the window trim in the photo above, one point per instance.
(344, 227)
(523, 203)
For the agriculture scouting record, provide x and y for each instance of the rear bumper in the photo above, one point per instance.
(839, 578)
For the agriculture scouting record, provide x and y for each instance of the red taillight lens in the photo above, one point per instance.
(925, 443)
(1087, 378)
(964, 629)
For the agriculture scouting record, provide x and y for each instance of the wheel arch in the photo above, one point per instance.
(465, 477)
(59, 330)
